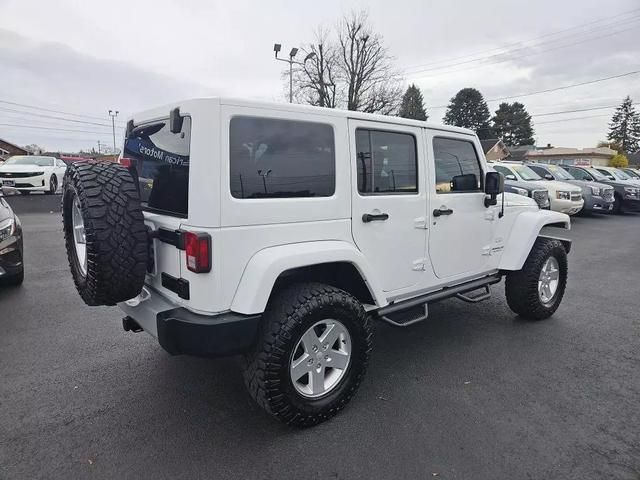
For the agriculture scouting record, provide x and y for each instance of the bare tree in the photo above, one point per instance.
(354, 72)
(372, 83)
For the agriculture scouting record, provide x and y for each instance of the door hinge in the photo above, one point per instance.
(419, 265)
(420, 222)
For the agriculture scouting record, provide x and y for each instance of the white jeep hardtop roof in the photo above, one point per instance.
(309, 109)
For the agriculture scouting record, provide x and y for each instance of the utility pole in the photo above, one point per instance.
(113, 114)
(294, 51)
(99, 144)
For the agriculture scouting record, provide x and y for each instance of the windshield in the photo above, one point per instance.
(632, 173)
(560, 173)
(620, 175)
(596, 174)
(30, 160)
(526, 173)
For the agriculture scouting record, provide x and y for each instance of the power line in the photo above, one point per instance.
(578, 110)
(618, 32)
(426, 68)
(515, 44)
(2, 109)
(51, 110)
(548, 90)
(53, 128)
(571, 119)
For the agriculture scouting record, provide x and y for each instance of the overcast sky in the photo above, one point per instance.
(87, 57)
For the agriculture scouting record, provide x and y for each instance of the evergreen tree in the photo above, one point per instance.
(468, 109)
(624, 128)
(413, 104)
(512, 123)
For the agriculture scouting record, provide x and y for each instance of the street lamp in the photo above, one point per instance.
(113, 114)
(294, 51)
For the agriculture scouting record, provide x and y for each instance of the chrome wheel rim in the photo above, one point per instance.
(548, 280)
(79, 235)
(320, 358)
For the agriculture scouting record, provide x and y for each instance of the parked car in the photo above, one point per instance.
(32, 173)
(11, 249)
(540, 195)
(613, 173)
(284, 234)
(598, 197)
(626, 193)
(565, 198)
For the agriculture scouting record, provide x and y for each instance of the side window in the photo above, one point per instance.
(457, 166)
(539, 170)
(276, 158)
(503, 170)
(577, 173)
(607, 174)
(387, 162)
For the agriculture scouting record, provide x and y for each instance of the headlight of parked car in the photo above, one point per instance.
(7, 228)
(595, 191)
(631, 191)
(563, 195)
(520, 191)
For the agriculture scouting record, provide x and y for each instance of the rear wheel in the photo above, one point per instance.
(312, 354)
(535, 291)
(105, 235)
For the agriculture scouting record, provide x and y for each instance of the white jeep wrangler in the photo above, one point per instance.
(281, 232)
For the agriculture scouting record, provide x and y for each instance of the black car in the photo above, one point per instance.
(626, 193)
(11, 250)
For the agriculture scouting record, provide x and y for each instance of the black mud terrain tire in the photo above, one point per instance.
(116, 237)
(288, 316)
(521, 287)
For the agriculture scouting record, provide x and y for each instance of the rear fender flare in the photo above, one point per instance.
(264, 268)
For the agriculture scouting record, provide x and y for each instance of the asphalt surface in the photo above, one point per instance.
(472, 393)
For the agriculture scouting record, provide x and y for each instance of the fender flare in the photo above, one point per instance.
(264, 268)
(524, 232)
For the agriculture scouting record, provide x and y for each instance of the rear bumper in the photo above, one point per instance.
(182, 332)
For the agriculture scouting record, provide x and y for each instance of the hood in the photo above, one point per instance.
(564, 186)
(515, 200)
(24, 168)
(585, 184)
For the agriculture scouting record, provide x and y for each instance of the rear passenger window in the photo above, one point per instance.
(457, 166)
(274, 158)
(387, 162)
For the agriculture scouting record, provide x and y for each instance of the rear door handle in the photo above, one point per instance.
(442, 211)
(369, 217)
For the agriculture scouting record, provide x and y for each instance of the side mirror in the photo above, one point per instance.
(548, 176)
(510, 176)
(175, 121)
(493, 186)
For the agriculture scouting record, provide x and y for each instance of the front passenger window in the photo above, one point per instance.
(457, 166)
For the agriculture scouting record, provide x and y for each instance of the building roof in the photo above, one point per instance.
(488, 144)
(564, 151)
(518, 153)
(12, 145)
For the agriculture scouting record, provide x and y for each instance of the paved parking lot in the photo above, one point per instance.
(472, 393)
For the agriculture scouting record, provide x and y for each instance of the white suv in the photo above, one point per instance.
(565, 197)
(281, 232)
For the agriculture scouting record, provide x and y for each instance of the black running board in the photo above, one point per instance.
(432, 297)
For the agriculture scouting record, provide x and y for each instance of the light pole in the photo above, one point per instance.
(294, 51)
(113, 114)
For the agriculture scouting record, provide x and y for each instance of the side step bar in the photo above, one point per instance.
(458, 291)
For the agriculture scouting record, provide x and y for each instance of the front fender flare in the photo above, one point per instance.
(265, 267)
(524, 232)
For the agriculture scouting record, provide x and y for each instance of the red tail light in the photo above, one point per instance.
(198, 250)
(126, 162)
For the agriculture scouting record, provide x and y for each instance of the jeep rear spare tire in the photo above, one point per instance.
(104, 231)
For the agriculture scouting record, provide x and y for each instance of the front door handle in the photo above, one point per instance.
(442, 211)
(369, 217)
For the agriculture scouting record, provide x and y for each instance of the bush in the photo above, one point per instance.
(619, 161)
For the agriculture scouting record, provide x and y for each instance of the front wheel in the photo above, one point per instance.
(53, 185)
(535, 291)
(312, 354)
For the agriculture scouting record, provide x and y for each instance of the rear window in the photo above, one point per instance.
(275, 158)
(162, 163)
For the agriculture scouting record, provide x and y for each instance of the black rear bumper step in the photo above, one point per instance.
(176, 285)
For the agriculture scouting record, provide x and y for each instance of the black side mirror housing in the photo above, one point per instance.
(175, 121)
(548, 176)
(493, 186)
